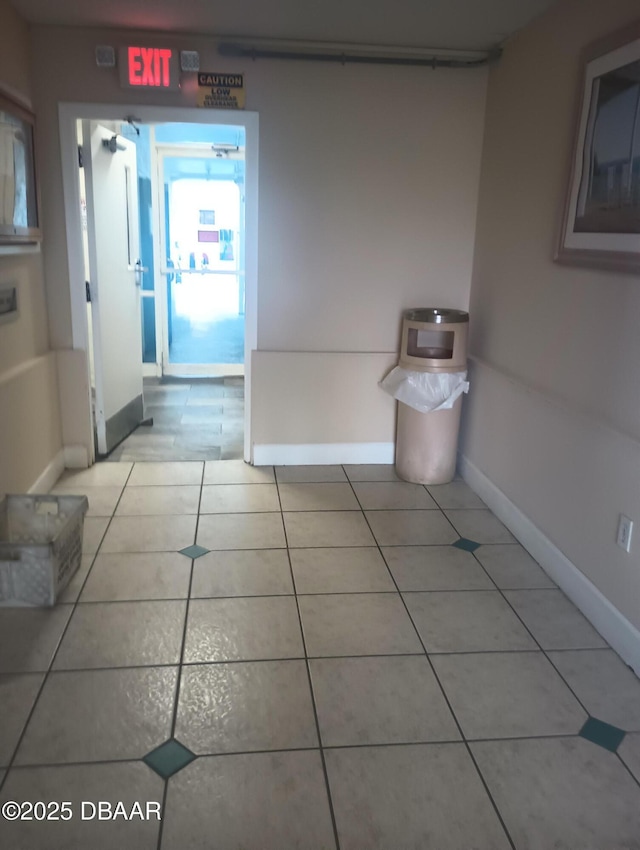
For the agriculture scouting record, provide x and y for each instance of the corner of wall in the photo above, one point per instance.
(75, 407)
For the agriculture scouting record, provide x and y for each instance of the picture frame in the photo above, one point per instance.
(19, 202)
(601, 222)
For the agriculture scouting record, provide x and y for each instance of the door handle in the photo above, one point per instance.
(139, 271)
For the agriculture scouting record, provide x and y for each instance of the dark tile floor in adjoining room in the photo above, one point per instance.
(193, 419)
(311, 658)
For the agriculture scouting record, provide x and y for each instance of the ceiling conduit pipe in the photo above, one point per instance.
(236, 50)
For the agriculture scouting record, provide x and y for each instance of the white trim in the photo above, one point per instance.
(159, 290)
(21, 368)
(99, 418)
(160, 282)
(73, 225)
(250, 271)
(76, 457)
(48, 477)
(322, 453)
(622, 635)
(31, 248)
(587, 418)
(151, 370)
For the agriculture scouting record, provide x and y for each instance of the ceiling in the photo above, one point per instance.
(455, 24)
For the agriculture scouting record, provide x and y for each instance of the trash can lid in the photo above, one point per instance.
(436, 315)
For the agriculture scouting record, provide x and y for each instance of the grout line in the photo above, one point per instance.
(162, 665)
(635, 778)
(544, 651)
(301, 658)
(375, 745)
(310, 683)
(37, 765)
(442, 690)
(459, 741)
(186, 620)
(454, 590)
(125, 601)
(176, 703)
(163, 808)
(268, 659)
(76, 601)
(250, 548)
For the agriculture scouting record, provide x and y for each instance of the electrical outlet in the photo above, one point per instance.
(625, 529)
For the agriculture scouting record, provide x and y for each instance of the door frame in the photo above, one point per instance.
(69, 114)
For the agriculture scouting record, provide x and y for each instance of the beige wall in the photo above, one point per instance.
(553, 418)
(340, 385)
(29, 412)
(14, 56)
(368, 192)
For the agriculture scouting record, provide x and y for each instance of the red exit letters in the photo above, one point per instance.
(149, 66)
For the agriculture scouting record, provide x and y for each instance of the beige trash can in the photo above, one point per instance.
(433, 340)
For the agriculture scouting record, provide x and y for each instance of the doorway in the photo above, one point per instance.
(202, 247)
(189, 296)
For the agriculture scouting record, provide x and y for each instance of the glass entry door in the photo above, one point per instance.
(202, 262)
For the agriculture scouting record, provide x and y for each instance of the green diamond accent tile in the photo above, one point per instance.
(467, 545)
(169, 758)
(603, 734)
(194, 551)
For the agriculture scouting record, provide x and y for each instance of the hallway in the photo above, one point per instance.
(312, 657)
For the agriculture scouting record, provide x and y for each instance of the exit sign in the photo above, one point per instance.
(148, 67)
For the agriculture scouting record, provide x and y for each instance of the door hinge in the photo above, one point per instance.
(87, 286)
(80, 157)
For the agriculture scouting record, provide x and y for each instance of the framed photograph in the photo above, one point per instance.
(19, 215)
(601, 225)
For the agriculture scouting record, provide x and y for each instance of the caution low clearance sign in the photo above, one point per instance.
(221, 91)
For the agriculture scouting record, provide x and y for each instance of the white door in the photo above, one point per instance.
(115, 277)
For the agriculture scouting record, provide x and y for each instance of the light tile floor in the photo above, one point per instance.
(312, 657)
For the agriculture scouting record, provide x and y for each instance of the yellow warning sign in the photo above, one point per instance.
(221, 91)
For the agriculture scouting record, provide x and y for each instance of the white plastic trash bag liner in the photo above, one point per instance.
(425, 391)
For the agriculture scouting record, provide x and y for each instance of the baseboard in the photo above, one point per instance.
(322, 454)
(76, 457)
(50, 475)
(622, 635)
